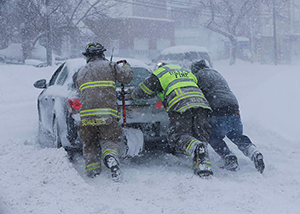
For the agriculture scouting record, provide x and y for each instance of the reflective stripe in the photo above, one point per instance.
(93, 166)
(110, 151)
(146, 89)
(163, 72)
(177, 91)
(97, 84)
(132, 95)
(193, 105)
(183, 96)
(100, 111)
(169, 81)
(207, 163)
(126, 66)
(166, 91)
(93, 122)
(188, 149)
(165, 69)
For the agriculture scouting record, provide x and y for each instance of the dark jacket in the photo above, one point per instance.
(216, 90)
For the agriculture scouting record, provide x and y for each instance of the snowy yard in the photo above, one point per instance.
(43, 181)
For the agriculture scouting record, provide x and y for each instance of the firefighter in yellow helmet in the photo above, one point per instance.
(188, 112)
(99, 129)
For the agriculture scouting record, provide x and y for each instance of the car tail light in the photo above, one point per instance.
(159, 104)
(74, 105)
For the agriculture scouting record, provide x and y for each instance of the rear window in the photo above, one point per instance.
(176, 56)
(140, 74)
(191, 56)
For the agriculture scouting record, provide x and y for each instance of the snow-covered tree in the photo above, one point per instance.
(48, 21)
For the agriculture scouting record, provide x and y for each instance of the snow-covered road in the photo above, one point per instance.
(43, 181)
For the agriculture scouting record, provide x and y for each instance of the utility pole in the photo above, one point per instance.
(49, 34)
(275, 33)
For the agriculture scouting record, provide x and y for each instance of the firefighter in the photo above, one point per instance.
(99, 128)
(188, 112)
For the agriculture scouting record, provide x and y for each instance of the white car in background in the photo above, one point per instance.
(183, 55)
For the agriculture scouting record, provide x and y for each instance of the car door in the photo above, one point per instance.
(46, 100)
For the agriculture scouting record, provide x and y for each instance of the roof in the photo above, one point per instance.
(183, 48)
(75, 64)
(132, 62)
(148, 18)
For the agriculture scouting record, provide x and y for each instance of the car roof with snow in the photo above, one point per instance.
(132, 62)
(75, 64)
(183, 49)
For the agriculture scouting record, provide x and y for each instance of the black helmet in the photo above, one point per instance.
(159, 64)
(94, 49)
(201, 64)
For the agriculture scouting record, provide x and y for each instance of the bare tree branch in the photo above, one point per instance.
(73, 13)
(92, 6)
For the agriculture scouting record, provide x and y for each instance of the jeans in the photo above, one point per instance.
(232, 127)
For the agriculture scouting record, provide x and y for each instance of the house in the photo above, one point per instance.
(287, 28)
(135, 29)
(132, 36)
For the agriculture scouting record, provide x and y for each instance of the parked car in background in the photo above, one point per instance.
(183, 55)
(59, 104)
(13, 55)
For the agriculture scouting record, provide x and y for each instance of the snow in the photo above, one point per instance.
(13, 54)
(42, 180)
(148, 18)
(132, 62)
(183, 48)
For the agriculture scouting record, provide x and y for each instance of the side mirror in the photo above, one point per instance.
(40, 84)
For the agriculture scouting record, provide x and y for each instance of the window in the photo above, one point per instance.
(140, 74)
(55, 75)
(63, 76)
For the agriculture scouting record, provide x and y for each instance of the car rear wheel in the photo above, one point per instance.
(57, 140)
(44, 136)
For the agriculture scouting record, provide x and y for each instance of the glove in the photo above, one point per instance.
(122, 61)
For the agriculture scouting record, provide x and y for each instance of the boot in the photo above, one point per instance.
(93, 170)
(113, 165)
(231, 162)
(201, 162)
(259, 162)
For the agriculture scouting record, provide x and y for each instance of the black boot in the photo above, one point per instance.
(259, 162)
(201, 162)
(231, 162)
(113, 165)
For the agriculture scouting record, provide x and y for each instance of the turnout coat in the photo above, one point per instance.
(96, 83)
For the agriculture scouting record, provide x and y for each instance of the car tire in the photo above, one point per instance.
(57, 141)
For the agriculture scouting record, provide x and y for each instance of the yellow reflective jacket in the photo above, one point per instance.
(177, 88)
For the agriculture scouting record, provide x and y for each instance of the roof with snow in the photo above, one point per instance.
(75, 64)
(183, 48)
(147, 18)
